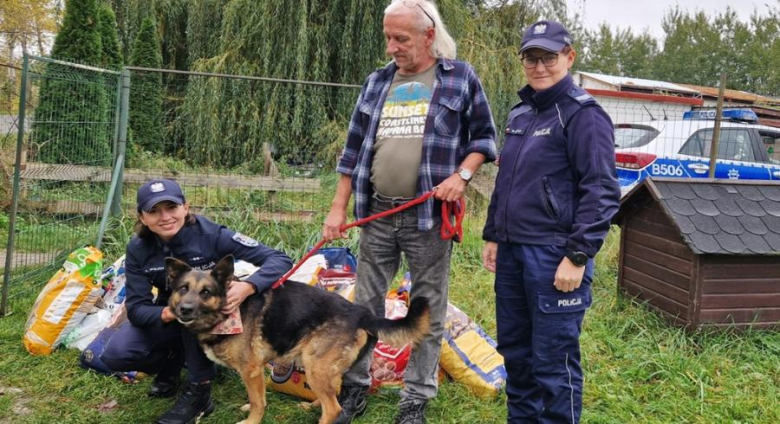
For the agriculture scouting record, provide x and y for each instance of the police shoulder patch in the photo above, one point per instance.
(245, 240)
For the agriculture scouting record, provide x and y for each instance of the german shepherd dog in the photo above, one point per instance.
(295, 322)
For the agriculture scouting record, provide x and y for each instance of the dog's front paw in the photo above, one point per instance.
(246, 408)
(307, 406)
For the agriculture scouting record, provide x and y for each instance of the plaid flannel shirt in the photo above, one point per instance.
(459, 122)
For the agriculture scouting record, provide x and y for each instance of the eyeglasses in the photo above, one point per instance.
(549, 60)
(412, 4)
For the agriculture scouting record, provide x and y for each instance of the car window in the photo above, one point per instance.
(734, 144)
(771, 142)
(632, 135)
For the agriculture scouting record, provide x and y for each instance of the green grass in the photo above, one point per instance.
(638, 368)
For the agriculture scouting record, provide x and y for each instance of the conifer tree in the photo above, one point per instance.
(111, 55)
(69, 124)
(146, 91)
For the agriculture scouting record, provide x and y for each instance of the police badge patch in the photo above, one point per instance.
(157, 187)
(245, 240)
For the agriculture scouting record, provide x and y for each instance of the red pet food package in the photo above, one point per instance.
(340, 282)
(389, 363)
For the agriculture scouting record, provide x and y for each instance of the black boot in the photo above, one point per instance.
(195, 402)
(164, 385)
(353, 403)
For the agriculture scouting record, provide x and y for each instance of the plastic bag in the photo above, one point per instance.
(81, 336)
(65, 300)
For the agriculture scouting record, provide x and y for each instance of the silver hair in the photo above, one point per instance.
(426, 11)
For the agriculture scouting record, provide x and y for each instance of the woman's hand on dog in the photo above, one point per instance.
(237, 292)
(167, 315)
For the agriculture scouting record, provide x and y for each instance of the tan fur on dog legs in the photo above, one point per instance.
(321, 375)
(254, 381)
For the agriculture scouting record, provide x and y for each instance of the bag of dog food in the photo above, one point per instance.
(309, 270)
(81, 336)
(339, 258)
(469, 355)
(290, 379)
(65, 300)
(114, 282)
(389, 363)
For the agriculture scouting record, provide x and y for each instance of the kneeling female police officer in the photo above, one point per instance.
(153, 341)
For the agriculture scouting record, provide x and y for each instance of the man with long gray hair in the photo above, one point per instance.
(421, 122)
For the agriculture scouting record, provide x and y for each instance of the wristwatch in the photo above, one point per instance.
(465, 174)
(577, 258)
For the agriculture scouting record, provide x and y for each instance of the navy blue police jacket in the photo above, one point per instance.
(201, 244)
(556, 182)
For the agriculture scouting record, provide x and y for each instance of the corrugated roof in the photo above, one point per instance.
(639, 83)
(725, 217)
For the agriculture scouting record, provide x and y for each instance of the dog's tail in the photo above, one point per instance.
(409, 329)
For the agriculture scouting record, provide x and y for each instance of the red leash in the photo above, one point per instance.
(449, 229)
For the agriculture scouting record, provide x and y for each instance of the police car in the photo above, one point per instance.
(681, 148)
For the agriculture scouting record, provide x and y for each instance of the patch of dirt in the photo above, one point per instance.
(19, 407)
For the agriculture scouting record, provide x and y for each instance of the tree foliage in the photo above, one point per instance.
(146, 89)
(696, 49)
(111, 54)
(69, 124)
(25, 24)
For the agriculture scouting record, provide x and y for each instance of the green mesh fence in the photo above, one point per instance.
(255, 154)
(65, 153)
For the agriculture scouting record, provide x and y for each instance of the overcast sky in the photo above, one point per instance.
(640, 14)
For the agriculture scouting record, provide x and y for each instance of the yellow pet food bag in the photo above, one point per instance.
(469, 355)
(64, 301)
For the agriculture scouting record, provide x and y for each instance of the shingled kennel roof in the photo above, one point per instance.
(724, 217)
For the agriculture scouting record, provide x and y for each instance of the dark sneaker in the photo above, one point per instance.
(164, 386)
(353, 403)
(194, 403)
(411, 413)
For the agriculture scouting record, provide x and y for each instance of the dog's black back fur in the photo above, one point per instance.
(297, 309)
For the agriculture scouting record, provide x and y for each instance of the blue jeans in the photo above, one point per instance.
(538, 334)
(381, 244)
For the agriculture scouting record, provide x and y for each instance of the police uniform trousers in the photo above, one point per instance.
(538, 334)
(158, 349)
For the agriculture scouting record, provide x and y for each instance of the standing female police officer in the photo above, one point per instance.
(554, 197)
(153, 341)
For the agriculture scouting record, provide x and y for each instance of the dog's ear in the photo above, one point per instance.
(223, 272)
(174, 269)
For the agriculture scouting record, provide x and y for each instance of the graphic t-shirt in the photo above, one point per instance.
(399, 138)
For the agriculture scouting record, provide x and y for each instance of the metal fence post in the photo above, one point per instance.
(117, 115)
(124, 112)
(15, 201)
(716, 131)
